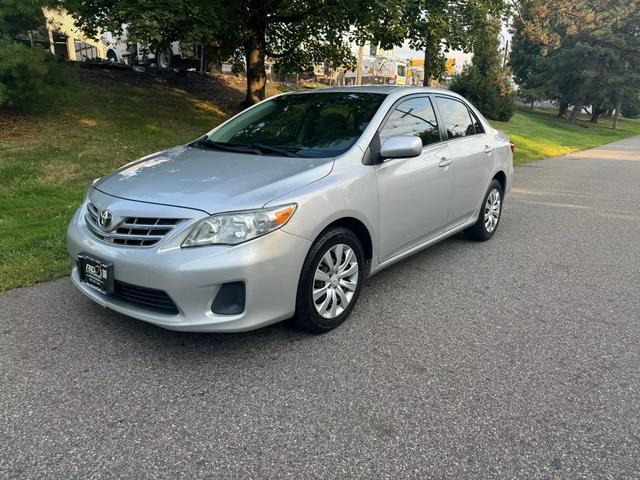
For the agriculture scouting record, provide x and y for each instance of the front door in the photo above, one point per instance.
(414, 193)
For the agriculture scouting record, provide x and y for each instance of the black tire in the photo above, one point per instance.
(112, 57)
(164, 59)
(307, 317)
(479, 231)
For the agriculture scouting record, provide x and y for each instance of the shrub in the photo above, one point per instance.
(492, 96)
(28, 77)
(631, 105)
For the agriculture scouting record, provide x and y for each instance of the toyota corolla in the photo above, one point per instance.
(284, 210)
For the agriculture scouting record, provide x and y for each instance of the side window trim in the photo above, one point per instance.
(472, 117)
(476, 121)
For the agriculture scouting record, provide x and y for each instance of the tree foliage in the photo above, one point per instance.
(20, 16)
(28, 77)
(438, 26)
(578, 51)
(486, 83)
(296, 33)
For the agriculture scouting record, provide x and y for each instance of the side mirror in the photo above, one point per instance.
(402, 146)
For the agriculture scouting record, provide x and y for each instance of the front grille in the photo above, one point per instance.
(132, 231)
(148, 298)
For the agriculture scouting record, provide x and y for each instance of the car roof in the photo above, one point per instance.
(396, 90)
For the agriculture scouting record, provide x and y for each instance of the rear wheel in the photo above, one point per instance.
(330, 281)
(489, 216)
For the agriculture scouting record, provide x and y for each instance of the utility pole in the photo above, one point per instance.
(360, 60)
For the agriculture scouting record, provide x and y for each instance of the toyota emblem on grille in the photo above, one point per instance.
(105, 219)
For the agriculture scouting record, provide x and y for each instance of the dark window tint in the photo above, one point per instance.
(310, 124)
(413, 117)
(456, 118)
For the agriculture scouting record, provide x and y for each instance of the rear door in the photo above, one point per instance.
(414, 193)
(472, 156)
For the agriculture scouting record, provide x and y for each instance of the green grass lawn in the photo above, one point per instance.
(46, 162)
(107, 119)
(540, 134)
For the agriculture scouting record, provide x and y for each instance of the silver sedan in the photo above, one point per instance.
(285, 209)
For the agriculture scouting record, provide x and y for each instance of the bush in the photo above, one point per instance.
(492, 96)
(28, 77)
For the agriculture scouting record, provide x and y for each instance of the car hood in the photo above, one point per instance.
(211, 180)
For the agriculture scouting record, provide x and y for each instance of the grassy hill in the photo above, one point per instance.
(108, 118)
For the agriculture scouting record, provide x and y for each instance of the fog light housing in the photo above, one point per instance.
(230, 299)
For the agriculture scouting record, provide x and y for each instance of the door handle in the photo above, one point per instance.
(488, 149)
(444, 162)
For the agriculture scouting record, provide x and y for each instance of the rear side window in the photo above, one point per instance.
(457, 120)
(413, 117)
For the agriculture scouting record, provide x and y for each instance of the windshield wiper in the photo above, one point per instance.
(256, 148)
(208, 143)
(287, 152)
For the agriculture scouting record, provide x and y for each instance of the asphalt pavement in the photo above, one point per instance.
(514, 358)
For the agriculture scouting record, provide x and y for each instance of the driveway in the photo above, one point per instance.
(515, 358)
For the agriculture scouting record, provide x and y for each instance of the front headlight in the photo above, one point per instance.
(237, 227)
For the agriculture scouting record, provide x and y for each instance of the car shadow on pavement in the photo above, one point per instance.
(274, 337)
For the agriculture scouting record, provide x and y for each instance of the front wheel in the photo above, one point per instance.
(330, 281)
(489, 216)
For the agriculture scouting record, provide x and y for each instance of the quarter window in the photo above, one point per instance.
(476, 122)
(413, 117)
(456, 118)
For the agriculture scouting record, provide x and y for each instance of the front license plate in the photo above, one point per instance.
(96, 273)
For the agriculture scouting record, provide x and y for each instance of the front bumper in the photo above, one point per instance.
(269, 266)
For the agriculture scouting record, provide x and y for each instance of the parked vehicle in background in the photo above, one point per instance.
(119, 50)
(401, 74)
(285, 209)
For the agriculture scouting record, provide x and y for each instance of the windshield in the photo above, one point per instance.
(305, 125)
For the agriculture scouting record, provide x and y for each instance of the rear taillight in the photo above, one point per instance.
(512, 147)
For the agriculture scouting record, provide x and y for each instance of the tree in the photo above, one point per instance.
(296, 33)
(579, 51)
(486, 82)
(438, 26)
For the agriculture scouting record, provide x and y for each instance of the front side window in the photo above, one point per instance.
(456, 118)
(413, 117)
(305, 125)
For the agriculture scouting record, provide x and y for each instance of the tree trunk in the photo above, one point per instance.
(616, 116)
(575, 113)
(256, 74)
(427, 68)
(595, 115)
(562, 109)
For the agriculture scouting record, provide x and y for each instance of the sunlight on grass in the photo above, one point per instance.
(540, 134)
(47, 161)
